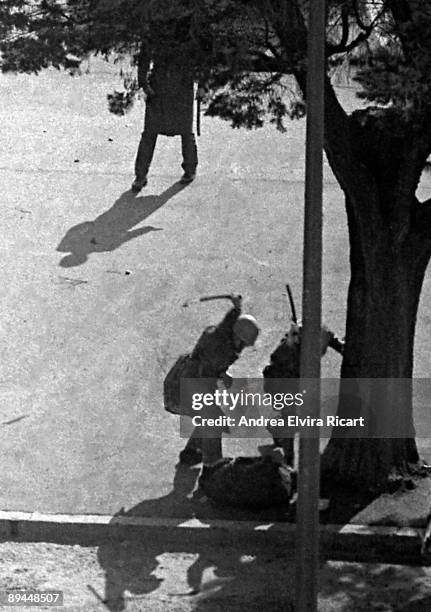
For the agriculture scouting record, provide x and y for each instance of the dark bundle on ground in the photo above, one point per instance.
(248, 482)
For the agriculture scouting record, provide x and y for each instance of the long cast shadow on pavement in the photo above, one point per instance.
(112, 228)
(131, 567)
(181, 503)
(234, 575)
(245, 579)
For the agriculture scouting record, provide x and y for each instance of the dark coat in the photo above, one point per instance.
(170, 110)
(170, 95)
(248, 482)
(215, 349)
(213, 354)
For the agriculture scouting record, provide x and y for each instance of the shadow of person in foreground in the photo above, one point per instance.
(210, 572)
(209, 565)
(131, 565)
(112, 228)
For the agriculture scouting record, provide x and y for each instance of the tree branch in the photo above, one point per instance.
(56, 10)
(367, 30)
(358, 17)
(350, 173)
(334, 49)
(345, 30)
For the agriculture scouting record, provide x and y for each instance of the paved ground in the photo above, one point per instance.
(93, 282)
(148, 577)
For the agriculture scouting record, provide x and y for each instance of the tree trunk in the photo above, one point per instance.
(378, 161)
(383, 298)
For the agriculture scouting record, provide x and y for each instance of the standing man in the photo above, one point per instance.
(218, 348)
(169, 87)
(283, 375)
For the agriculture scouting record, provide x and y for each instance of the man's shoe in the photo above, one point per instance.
(190, 456)
(188, 177)
(138, 184)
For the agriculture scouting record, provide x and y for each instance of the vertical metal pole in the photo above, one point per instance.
(307, 514)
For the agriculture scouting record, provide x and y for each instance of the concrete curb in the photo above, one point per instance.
(347, 542)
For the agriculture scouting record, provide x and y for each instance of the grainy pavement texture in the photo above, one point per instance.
(93, 284)
(94, 280)
(139, 577)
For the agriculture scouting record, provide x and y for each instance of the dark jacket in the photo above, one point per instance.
(215, 349)
(169, 109)
(214, 352)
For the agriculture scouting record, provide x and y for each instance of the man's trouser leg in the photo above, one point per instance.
(212, 436)
(190, 153)
(192, 452)
(205, 440)
(195, 440)
(145, 154)
(211, 449)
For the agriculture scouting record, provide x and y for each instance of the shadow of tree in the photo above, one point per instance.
(366, 587)
(112, 228)
(344, 505)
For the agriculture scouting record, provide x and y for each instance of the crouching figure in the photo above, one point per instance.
(253, 483)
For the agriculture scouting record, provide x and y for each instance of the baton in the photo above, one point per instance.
(198, 116)
(292, 304)
(222, 296)
(207, 298)
(335, 343)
